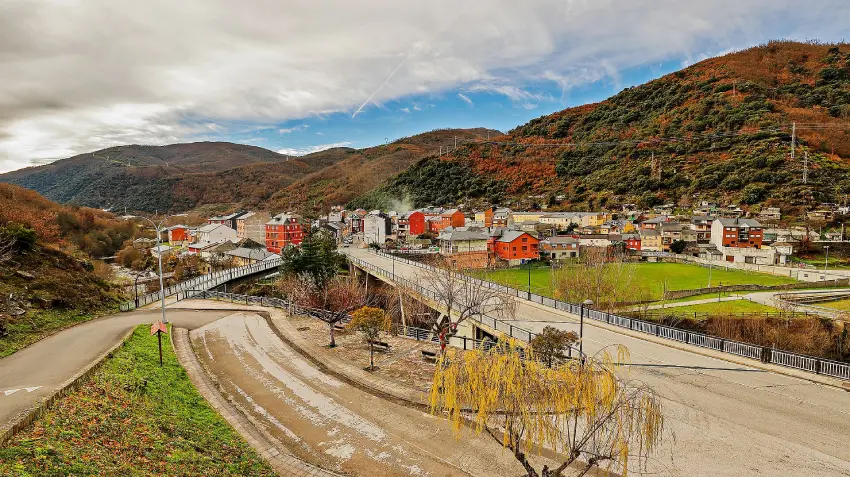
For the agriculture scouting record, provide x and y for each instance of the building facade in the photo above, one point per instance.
(283, 230)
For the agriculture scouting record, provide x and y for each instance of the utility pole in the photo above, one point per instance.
(793, 139)
(805, 167)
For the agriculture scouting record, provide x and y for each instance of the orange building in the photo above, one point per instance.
(178, 233)
(282, 231)
(517, 247)
(452, 218)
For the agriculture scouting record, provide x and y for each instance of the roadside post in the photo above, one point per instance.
(159, 328)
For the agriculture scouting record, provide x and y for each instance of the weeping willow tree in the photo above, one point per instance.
(580, 409)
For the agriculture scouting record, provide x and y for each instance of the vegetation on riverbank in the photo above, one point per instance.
(132, 417)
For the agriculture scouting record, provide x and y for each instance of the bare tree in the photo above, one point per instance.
(331, 302)
(459, 299)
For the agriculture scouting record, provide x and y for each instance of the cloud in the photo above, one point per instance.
(302, 151)
(405, 110)
(78, 75)
(293, 129)
(465, 99)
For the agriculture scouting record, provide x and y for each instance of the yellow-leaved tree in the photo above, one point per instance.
(579, 409)
(370, 322)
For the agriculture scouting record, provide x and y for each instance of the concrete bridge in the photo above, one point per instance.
(726, 415)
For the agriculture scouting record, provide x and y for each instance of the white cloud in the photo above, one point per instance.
(293, 129)
(465, 99)
(82, 75)
(301, 151)
(405, 110)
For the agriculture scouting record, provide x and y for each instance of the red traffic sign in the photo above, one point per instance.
(159, 326)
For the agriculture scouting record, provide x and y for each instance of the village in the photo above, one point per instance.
(501, 237)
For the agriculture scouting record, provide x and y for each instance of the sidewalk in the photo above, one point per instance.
(687, 303)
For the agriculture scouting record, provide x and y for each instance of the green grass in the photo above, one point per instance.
(706, 296)
(679, 276)
(37, 324)
(132, 418)
(843, 305)
(737, 306)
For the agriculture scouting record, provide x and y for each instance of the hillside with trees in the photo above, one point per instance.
(48, 277)
(166, 178)
(719, 130)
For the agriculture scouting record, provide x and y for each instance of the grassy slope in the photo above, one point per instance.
(737, 306)
(679, 277)
(67, 292)
(133, 418)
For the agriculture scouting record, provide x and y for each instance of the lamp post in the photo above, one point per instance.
(585, 303)
(826, 261)
(158, 228)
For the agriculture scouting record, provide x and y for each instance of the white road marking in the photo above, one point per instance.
(9, 392)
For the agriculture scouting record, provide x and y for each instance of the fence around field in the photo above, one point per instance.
(704, 315)
(811, 364)
(205, 282)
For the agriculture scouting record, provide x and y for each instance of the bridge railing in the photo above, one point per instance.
(210, 280)
(827, 367)
(419, 334)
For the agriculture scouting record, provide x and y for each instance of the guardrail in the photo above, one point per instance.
(210, 280)
(419, 334)
(494, 323)
(835, 369)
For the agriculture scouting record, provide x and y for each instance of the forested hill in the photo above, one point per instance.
(719, 130)
(140, 177)
(226, 176)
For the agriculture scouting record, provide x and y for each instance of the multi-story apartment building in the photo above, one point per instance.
(283, 230)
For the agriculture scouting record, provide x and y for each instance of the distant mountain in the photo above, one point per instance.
(365, 169)
(719, 130)
(225, 176)
(170, 177)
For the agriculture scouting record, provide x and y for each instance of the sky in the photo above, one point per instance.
(297, 77)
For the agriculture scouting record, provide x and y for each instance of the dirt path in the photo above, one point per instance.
(330, 423)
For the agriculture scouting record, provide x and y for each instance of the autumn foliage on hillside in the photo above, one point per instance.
(719, 130)
(95, 232)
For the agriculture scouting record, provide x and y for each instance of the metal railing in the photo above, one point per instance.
(419, 334)
(210, 280)
(788, 359)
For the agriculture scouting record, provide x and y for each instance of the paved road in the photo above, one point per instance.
(327, 422)
(722, 418)
(37, 371)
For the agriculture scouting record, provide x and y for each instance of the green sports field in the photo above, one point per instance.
(679, 276)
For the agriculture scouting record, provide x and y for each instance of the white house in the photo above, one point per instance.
(216, 233)
(377, 227)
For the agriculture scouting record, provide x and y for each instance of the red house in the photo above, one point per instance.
(178, 233)
(632, 241)
(516, 247)
(411, 224)
(452, 218)
(434, 223)
(282, 231)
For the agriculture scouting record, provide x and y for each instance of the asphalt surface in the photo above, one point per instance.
(721, 418)
(38, 370)
(330, 423)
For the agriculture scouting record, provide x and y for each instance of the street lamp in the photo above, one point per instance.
(585, 303)
(158, 228)
(826, 262)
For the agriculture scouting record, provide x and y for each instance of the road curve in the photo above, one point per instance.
(37, 371)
